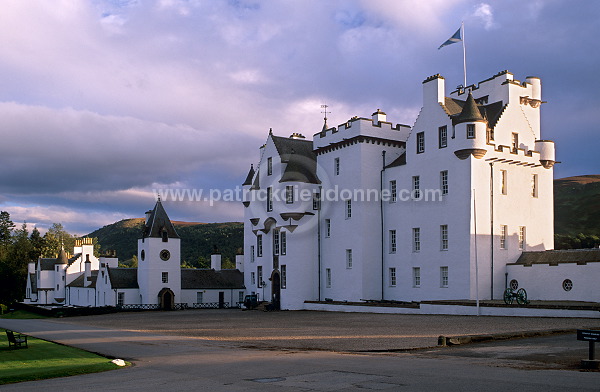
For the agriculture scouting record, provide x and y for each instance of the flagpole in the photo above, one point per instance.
(462, 26)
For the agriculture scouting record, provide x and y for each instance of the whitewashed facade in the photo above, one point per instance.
(159, 282)
(466, 191)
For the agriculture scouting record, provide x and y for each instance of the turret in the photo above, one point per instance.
(470, 129)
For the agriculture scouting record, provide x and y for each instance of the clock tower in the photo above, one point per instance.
(159, 260)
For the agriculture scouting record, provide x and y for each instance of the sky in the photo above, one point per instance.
(103, 102)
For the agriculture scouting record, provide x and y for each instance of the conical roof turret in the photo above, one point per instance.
(470, 112)
(62, 257)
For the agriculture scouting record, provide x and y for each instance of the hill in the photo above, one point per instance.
(197, 240)
(577, 212)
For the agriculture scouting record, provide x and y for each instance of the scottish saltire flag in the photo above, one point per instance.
(457, 37)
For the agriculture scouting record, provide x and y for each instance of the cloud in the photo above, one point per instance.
(485, 13)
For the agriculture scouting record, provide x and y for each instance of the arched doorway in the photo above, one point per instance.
(276, 289)
(166, 299)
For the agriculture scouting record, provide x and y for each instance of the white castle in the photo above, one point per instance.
(458, 206)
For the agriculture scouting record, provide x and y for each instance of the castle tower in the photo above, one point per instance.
(159, 260)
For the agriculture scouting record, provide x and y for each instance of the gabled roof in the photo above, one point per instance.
(250, 176)
(159, 222)
(47, 264)
(401, 160)
(300, 158)
(211, 279)
(74, 258)
(578, 256)
(123, 278)
(79, 281)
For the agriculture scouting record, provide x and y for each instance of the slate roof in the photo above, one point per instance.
(469, 113)
(490, 112)
(123, 278)
(74, 258)
(47, 264)
(300, 158)
(158, 222)
(78, 282)
(401, 160)
(33, 282)
(211, 279)
(555, 257)
(249, 177)
(62, 257)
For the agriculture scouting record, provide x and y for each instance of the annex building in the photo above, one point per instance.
(158, 282)
(457, 206)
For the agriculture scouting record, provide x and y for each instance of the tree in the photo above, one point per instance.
(37, 244)
(56, 238)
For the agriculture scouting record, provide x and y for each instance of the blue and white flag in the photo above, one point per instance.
(457, 37)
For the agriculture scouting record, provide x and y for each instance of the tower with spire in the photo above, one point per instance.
(159, 260)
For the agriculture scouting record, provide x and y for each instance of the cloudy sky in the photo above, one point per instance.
(103, 101)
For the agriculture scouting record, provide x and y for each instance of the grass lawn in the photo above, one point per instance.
(45, 359)
(21, 314)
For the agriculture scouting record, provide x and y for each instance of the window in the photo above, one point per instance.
(393, 192)
(444, 237)
(416, 277)
(503, 230)
(269, 199)
(316, 201)
(489, 134)
(283, 240)
(522, 237)
(515, 142)
(199, 297)
(241, 297)
(534, 185)
(259, 276)
(392, 241)
(443, 136)
(259, 245)
(503, 182)
(348, 209)
(336, 166)
(165, 277)
(348, 258)
(420, 142)
(470, 131)
(416, 239)
(444, 182)
(328, 277)
(393, 277)
(283, 276)
(443, 276)
(252, 278)
(327, 228)
(416, 192)
(252, 253)
(289, 194)
(276, 241)
(120, 299)
(269, 166)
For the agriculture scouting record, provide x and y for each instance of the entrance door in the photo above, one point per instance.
(167, 299)
(276, 290)
(221, 299)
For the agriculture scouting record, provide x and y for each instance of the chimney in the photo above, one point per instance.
(434, 90)
(297, 135)
(88, 271)
(379, 117)
(215, 260)
(239, 262)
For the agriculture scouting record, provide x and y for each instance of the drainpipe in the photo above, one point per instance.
(492, 227)
(319, 240)
(382, 227)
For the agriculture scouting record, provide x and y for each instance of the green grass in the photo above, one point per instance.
(21, 314)
(45, 359)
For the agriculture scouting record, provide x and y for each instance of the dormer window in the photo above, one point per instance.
(470, 131)
(165, 236)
